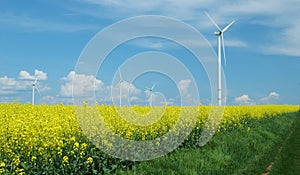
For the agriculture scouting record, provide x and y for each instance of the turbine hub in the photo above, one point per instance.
(218, 33)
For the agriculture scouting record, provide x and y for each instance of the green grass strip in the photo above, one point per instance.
(240, 151)
(288, 161)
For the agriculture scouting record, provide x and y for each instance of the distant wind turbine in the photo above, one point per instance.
(33, 89)
(120, 82)
(151, 93)
(220, 34)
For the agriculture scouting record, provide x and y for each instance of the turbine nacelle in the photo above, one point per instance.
(152, 88)
(35, 81)
(218, 33)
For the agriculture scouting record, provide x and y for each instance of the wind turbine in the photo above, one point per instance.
(33, 89)
(220, 34)
(120, 82)
(151, 93)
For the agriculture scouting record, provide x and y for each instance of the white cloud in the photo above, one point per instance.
(287, 42)
(183, 86)
(170, 101)
(48, 99)
(83, 85)
(12, 88)
(127, 88)
(85, 90)
(86, 86)
(155, 98)
(10, 85)
(25, 75)
(244, 100)
(184, 89)
(271, 98)
(130, 94)
(235, 43)
(274, 95)
(175, 8)
(40, 75)
(22, 83)
(279, 16)
(6, 81)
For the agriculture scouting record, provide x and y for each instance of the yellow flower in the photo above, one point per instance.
(76, 145)
(66, 159)
(89, 160)
(17, 160)
(41, 150)
(82, 153)
(73, 139)
(59, 152)
(20, 171)
(33, 158)
(84, 145)
(2, 164)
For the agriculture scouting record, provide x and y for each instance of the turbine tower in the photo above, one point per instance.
(151, 93)
(220, 34)
(120, 82)
(33, 89)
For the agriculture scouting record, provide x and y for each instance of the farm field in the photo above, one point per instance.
(47, 139)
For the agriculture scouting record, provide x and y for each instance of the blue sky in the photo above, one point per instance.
(44, 39)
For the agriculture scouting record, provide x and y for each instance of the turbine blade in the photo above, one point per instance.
(120, 74)
(227, 27)
(38, 90)
(35, 81)
(215, 24)
(223, 48)
(153, 86)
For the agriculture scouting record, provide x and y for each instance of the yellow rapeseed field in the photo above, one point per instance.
(49, 139)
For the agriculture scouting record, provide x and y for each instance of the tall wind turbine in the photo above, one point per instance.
(120, 82)
(151, 93)
(220, 34)
(33, 89)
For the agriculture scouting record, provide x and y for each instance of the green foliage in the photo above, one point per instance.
(287, 161)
